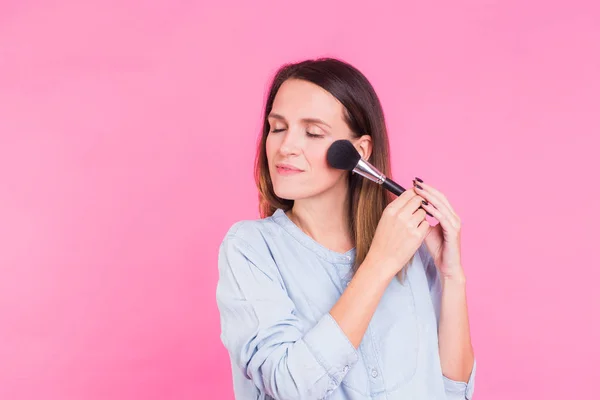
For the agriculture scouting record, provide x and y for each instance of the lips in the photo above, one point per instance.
(287, 167)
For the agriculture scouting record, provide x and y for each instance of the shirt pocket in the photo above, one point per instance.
(397, 334)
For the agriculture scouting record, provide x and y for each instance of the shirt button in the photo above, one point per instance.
(346, 368)
(374, 373)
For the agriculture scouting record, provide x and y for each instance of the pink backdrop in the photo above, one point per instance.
(127, 133)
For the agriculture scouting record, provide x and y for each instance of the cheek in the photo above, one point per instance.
(317, 156)
(320, 167)
(270, 147)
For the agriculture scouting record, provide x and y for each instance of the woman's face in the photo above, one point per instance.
(305, 120)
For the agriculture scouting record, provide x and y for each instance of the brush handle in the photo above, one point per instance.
(396, 189)
(393, 187)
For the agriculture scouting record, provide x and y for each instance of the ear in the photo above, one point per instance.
(364, 146)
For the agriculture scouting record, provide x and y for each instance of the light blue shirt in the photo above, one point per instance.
(276, 287)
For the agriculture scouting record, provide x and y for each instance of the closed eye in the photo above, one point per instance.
(312, 135)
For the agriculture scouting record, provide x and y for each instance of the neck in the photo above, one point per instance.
(325, 219)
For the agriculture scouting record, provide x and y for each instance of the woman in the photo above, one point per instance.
(340, 291)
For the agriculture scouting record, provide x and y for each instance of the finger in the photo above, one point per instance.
(433, 211)
(422, 188)
(413, 204)
(398, 203)
(431, 193)
(423, 227)
(448, 221)
(417, 217)
(436, 201)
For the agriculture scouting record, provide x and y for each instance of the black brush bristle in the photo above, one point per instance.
(343, 155)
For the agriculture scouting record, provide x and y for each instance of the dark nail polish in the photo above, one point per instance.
(418, 186)
(419, 179)
(425, 202)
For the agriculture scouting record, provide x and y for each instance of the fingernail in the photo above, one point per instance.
(419, 179)
(418, 186)
(425, 202)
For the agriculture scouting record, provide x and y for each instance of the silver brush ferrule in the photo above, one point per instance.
(365, 169)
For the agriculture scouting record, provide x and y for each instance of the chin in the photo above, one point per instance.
(290, 194)
(302, 189)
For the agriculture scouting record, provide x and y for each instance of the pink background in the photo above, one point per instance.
(127, 134)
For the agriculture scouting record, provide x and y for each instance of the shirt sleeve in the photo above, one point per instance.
(455, 390)
(264, 337)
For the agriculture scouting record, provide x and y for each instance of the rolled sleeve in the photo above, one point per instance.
(331, 348)
(265, 338)
(456, 390)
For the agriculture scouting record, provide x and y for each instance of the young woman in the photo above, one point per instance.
(341, 290)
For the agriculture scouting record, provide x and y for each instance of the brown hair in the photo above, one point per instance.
(364, 115)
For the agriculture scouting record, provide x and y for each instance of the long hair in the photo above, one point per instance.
(364, 116)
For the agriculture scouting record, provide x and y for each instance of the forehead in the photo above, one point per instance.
(297, 99)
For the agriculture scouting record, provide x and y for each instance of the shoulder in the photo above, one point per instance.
(251, 238)
(251, 232)
(246, 249)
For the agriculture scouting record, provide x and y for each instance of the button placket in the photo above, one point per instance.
(344, 271)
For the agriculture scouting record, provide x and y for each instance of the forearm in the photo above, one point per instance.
(355, 308)
(456, 352)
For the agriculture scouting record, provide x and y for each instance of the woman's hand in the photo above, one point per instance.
(443, 239)
(400, 231)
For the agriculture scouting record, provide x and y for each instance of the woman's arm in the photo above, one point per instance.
(267, 341)
(355, 308)
(447, 277)
(456, 351)
(399, 234)
(259, 323)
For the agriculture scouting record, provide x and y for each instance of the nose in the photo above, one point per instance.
(291, 144)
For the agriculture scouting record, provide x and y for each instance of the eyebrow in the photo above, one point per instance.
(309, 120)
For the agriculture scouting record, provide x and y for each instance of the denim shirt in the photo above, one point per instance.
(276, 288)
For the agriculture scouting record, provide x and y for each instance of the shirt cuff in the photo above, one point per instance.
(456, 390)
(331, 347)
